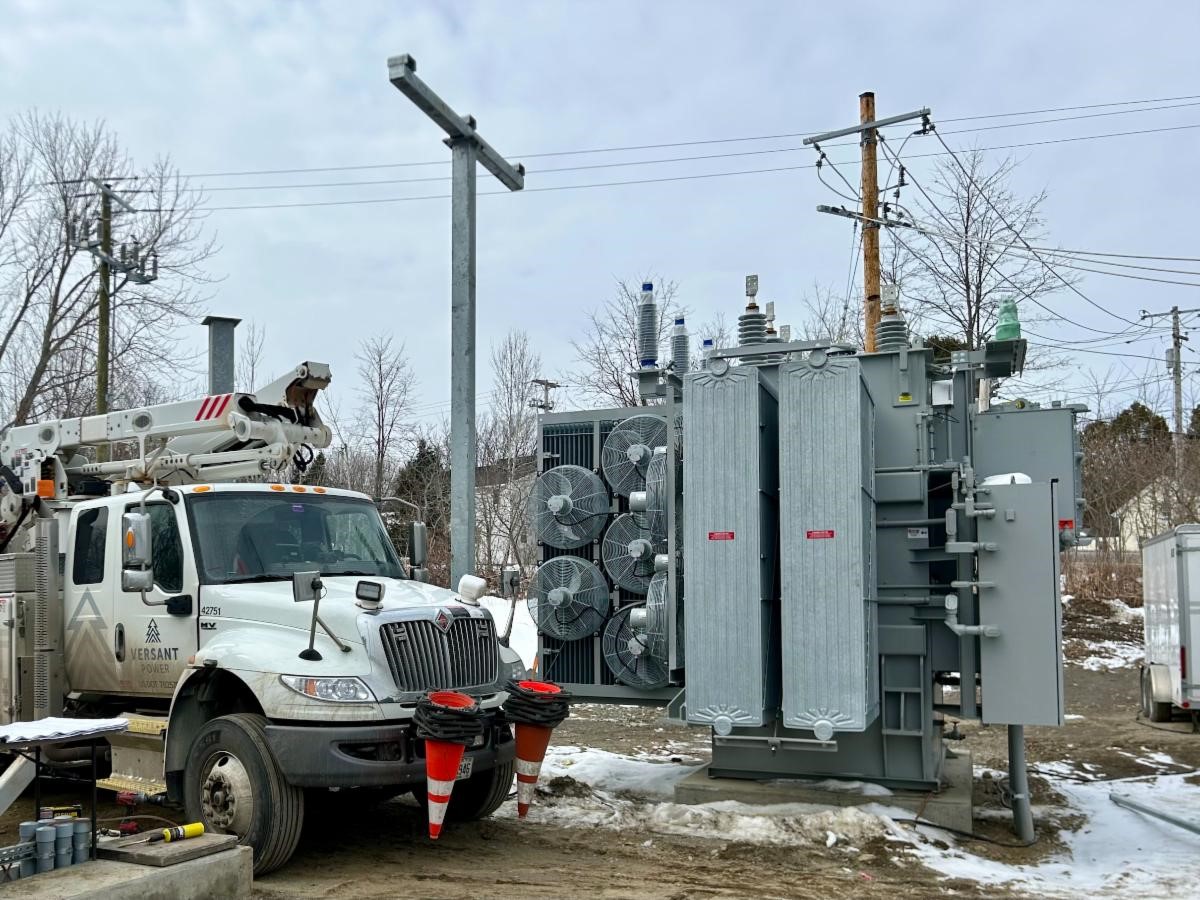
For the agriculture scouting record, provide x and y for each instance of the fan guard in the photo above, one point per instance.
(656, 495)
(568, 506)
(629, 650)
(570, 598)
(628, 554)
(628, 449)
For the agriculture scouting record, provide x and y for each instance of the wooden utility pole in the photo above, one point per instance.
(870, 211)
(1176, 367)
(102, 335)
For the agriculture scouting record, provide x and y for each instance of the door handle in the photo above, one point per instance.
(119, 643)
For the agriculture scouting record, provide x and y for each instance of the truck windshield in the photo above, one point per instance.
(256, 536)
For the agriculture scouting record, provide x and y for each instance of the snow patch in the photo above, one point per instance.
(1100, 656)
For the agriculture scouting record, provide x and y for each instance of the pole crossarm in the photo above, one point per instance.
(858, 129)
(402, 71)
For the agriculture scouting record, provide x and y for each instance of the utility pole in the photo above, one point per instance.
(133, 265)
(104, 321)
(870, 211)
(1175, 364)
(868, 130)
(545, 404)
(467, 148)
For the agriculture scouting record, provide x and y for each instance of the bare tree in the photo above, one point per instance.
(966, 259)
(507, 460)
(250, 357)
(386, 393)
(48, 287)
(607, 352)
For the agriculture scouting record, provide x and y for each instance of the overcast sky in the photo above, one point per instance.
(223, 87)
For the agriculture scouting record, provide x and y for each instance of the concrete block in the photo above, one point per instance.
(950, 807)
(227, 875)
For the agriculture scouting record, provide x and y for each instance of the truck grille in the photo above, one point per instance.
(424, 658)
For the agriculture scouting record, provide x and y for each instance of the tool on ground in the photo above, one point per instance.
(178, 833)
(535, 708)
(447, 721)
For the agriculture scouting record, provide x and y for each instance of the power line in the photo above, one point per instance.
(733, 140)
(1021, 238)
(659, 180)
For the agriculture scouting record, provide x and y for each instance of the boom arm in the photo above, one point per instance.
(215, 438)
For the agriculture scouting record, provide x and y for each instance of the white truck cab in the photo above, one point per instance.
(268, 635)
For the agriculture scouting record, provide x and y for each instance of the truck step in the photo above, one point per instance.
(118, 783)
(137, 756)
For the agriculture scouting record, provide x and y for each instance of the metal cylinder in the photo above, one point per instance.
(221, 344)
(679, 348)
(1018, 781)
(648, 328)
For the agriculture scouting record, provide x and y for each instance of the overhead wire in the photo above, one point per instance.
(667, 179)
(1141, 104)
(1053, 271)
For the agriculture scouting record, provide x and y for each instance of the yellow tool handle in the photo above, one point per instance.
(180, 832)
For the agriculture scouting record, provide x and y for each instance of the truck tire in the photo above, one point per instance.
(477, 797)
(233, 785)
(1151, 709)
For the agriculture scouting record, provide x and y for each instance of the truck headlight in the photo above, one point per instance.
(336, 690)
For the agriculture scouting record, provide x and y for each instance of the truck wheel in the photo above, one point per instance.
(233, 785)
(477, 797)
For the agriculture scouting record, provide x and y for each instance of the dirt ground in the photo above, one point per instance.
(383, 851)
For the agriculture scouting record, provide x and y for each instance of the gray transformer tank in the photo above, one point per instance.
(859, 546)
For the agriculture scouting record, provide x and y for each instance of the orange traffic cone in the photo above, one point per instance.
(442, 759)
(532, 741)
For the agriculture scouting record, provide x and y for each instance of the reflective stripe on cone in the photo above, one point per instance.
(532, 741)
(442, 759)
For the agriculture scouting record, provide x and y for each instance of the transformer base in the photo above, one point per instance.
(949, 806)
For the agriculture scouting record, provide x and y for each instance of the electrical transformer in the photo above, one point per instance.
(817, 552)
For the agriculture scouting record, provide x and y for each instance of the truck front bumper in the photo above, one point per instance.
(370, 755)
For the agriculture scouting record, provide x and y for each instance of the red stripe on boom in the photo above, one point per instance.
(203, 414)
(220, 407)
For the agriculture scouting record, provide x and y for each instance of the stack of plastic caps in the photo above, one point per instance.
(447, 721)
(44, 836)
(64, 848)
(28, 866)
(82, 841)
(536, 708)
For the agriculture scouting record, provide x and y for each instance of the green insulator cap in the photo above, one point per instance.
(1008, 326)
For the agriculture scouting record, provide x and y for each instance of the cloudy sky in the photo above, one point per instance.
(252, 86)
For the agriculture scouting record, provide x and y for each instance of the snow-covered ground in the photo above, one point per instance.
(1114, 852)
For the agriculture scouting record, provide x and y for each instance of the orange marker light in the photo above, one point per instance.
(318, 490)
(299, 488)
(45, 488)
(277, 487)
(200, 489)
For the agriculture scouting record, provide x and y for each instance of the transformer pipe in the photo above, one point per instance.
(1018, 780)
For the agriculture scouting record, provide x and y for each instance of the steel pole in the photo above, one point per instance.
(462, 359)
(1018, 782)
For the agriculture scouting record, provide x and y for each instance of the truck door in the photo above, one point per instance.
(160, 638)
(93, 644)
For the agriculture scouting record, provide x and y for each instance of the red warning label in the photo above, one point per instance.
(819, 535)
(720, 535)
(1065, 523)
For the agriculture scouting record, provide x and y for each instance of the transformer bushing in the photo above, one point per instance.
(891, 333)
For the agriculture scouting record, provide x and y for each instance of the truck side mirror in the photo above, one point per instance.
(418, 550)
(135, 542)
(137, 560)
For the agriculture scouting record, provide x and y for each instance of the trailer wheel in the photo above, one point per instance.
(477, 797)
(1152, 710)
(234, 786)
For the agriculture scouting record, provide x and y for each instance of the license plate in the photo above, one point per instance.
(464, 768)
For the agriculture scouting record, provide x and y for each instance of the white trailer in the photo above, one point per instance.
(1171, 588)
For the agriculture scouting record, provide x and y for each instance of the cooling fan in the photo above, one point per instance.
(628, 554)
(650, 505)
(628, 449)
(630, 651)
(568, 506)
(570, 598)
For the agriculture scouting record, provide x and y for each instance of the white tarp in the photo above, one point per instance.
(53, 728)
